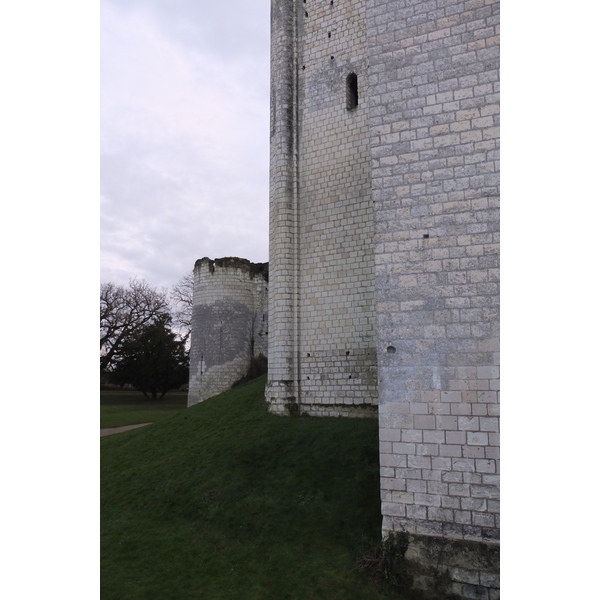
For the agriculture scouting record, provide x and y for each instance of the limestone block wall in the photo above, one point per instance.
(229, 323)
(384, 234)
(434, 136)
(328, 278)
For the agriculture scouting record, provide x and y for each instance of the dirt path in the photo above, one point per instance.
(113, 430)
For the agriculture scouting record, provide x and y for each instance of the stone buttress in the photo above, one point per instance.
(322, 347)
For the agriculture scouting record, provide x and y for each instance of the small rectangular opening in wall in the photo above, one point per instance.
(351, 91)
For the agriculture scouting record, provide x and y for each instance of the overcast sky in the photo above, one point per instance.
(184, 135)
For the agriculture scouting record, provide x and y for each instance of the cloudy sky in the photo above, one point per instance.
(184, 135)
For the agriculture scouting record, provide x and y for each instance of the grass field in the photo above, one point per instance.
(225, 501)
(131, 408)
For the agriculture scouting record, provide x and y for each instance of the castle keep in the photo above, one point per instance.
(384, 254)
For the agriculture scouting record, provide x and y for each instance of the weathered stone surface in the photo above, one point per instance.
(468, 569)
(322, 313)
(229, 323)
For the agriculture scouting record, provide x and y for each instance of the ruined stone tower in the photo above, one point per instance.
(384, 258)
(229, 323)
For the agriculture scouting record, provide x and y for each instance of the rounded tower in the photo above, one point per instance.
(229, 323)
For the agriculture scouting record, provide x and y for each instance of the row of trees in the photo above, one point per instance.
(144, 333)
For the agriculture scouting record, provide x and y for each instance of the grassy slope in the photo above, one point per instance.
(130, 408)
(224, 500)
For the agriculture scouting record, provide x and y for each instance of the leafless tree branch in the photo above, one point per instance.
(182, 302)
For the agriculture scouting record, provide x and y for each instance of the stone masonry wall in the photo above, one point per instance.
(331, 288)
(384, 232)
(229, 323)
(434, 135)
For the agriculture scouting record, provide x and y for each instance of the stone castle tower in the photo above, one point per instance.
(229, 323)
(384, 258)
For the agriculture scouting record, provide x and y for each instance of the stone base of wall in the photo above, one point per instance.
(454, 569)
(282, 400)
(357, 411)
(216, 380)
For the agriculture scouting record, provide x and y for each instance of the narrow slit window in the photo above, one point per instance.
(351, 91)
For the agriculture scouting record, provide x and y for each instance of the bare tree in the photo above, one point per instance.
(123, 311)
(182, 301)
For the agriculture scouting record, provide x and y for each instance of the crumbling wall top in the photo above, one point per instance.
(233, 262)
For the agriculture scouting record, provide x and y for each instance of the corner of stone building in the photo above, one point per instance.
(281, 398)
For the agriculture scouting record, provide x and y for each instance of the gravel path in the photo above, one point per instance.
(113, 430)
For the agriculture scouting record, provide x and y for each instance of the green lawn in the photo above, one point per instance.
(225, 501)
(131, 408)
